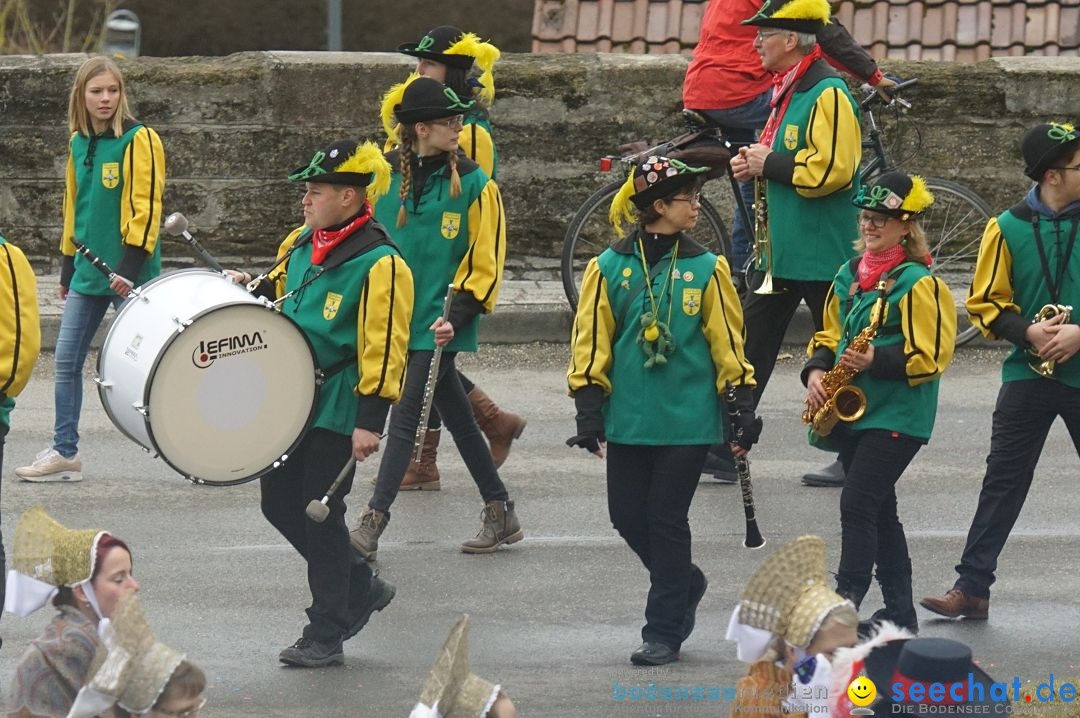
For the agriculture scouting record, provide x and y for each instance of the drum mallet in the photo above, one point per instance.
(176, 224)
(317, 511)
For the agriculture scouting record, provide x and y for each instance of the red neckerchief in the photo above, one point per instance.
(782, 92)
(874, 264)
(325, 239)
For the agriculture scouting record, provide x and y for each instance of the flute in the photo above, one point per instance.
(432, 379)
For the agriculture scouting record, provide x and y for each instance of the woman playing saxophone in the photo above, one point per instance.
(889, 327)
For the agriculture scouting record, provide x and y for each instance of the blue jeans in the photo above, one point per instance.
(740, 126)
(82, 316)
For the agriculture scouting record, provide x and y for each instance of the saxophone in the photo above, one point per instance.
(846, 401)
(1045, 367)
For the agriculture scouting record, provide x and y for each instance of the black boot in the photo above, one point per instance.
(720, 463)
(899, 605)
(831, 475)
(853, 591)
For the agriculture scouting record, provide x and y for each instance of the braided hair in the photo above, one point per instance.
(407, 148)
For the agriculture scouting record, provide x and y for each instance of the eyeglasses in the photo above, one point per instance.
(1074, 168)
(764, 34)
(457, 121)
(695, 199)
(877, 220)
(189, 713)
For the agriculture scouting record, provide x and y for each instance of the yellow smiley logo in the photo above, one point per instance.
(862, 691)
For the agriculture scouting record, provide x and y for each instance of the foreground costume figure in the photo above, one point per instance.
(85, 572)
(447, 54)
(1025, 290)
(112, 204)
(657, 337)
(351, 293)
(448, 220)
(452, 691)
(788, 626)
(872, 384)
(136, 672)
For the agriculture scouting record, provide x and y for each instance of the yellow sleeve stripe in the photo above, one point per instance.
(991, 291)
(829, 336)
(594, 328)
(383, 328)
(929, 326)
(20, 330)
(144, 182)
(480, 271)
(730, 361)
(814, 166)
(67, 247)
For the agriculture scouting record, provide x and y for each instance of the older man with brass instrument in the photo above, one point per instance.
(1027, 282)
(806, 167)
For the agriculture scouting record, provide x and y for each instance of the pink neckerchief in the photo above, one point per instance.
(782, 91)
(324, 240)
(874, 264)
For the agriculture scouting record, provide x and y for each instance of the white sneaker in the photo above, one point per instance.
(51, 466)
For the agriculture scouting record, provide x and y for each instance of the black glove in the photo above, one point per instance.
(589, 401)
(744, 418)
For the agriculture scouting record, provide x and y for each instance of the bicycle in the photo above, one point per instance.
(953, 225)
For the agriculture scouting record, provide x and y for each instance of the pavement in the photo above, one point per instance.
(555, 616)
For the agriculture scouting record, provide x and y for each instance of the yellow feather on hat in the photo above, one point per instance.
(390, 101)
(804, 10)
(622, 209)
(485, 54)
(369, 159)
(919, 198)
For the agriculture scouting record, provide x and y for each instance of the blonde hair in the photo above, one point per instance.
(407, 148)
(916, 248)
(78, 116)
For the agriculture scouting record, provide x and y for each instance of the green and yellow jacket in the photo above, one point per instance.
(677, 403)
(355, 312)
(810, 178)
(20, 331)
(1010, 285)
(448, 240)
(112, 204)
(911, 350)
(477, 144)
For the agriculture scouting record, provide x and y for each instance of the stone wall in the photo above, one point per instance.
(233, 128)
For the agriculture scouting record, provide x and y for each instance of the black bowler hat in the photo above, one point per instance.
(895, 194)
(1047, 144)
(434, 46)
(428, 99)
(350, 163)
(927, 661)
(795, 15)
(653, 178)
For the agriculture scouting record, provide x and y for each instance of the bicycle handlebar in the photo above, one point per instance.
(871, 96)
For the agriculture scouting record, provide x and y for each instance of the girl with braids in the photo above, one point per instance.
(451, 230)
(447, 54)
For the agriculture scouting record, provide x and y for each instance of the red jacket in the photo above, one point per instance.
(726, 70)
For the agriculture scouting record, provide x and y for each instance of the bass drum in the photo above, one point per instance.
(210, 378)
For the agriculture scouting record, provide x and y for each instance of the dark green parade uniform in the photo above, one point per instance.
(1028, 259)
(477, 143)
(912, 348)
(810, 179)
(354, 308)
(658, 419)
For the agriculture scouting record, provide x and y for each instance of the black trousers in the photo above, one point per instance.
(454, 407)
(766, 317)
(1022, 418)
(871, 531)
(338, 577)
(649, 493)
(434, 420)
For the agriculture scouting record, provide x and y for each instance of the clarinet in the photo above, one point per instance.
(432, 379)
(98, 263)
(754, 538)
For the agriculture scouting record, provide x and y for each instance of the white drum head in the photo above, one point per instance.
(231, 394)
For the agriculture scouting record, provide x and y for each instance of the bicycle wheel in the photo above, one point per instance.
(954, 226)
(590, 233)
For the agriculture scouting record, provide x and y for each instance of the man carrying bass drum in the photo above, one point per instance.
(347, 287)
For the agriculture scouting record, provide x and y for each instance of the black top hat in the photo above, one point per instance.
(928, 661)
(428, 99)
(350, 163)
(896, 195)
(435, 43)
(1045, 145)
(795, 15)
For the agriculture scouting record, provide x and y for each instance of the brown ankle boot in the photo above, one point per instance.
(423, 475)
(500, 526)
(957, 604)
(365, 537)
(500, 427)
